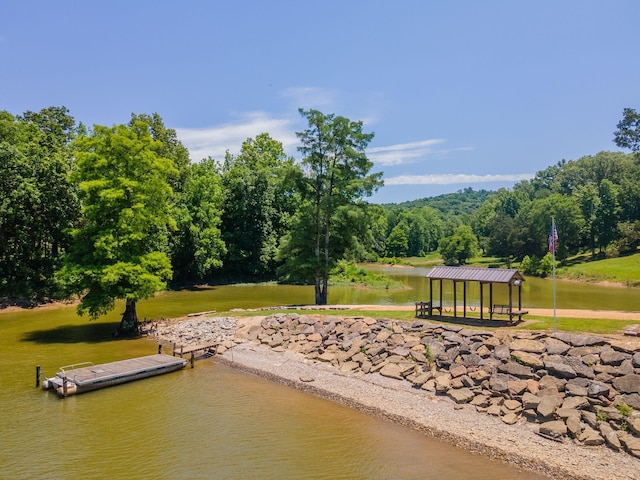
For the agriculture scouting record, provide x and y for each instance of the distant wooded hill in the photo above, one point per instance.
(465, 201)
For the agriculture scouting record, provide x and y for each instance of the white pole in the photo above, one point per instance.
(553, 257)
(554, 290)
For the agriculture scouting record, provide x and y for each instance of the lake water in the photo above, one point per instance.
(213, 421)
(536, 292)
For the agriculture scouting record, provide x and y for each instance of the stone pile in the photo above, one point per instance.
(580, 387)
(197, 331)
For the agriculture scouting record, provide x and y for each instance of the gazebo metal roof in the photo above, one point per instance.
(484, 276)
(475, 274)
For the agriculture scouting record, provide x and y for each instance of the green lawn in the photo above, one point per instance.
(537, 323)
(620, 269)
(624, 269)
(584, 325)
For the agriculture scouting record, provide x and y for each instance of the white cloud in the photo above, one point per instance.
(451, 178)
(404, 153)
(215, 141)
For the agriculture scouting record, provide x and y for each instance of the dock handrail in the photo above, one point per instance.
(73, 366)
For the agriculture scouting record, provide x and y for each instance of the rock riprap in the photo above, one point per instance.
(583, 388)
(199, 330)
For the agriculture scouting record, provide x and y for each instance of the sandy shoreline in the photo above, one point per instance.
(433, 415)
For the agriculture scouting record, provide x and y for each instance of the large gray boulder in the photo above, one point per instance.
(631, 444)
(560, 369)
(554, 429)
(547, 406)
(526, 345)
(461, 395)
(627, 383)
(609, 356)
(515, 369)
(610, 436)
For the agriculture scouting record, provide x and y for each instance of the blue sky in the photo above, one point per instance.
(459, 94)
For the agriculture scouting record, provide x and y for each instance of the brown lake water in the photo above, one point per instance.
(213, 421)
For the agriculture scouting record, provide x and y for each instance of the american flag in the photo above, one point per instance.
(553, 237)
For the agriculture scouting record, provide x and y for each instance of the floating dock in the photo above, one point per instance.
(84, 377)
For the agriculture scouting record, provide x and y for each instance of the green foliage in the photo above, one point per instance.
(398, 242)
(462, 203)
(601, 415)
(427, 353)
(259, 213)
(628, 236)
(538, 267)
(334, 178)
(628, 133)
(624, 409)
(259, 200)
(348, 273)
(528, 266)
(196, 245)
(546, 265)
(422, 227)
(37, 202)
(120, 251)
(459, 247)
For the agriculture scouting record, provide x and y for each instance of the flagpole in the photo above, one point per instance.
(554, 290)
(553, 243)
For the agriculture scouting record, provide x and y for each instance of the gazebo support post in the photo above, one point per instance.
(430, 296)
(464, 299)
(455, 298)
(490, 301)
(510, 301)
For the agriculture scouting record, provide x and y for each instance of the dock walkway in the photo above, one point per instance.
(84, 377)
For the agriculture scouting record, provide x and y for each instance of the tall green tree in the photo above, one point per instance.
(335, 178)
(398, 241)
(259, 200)
(37, 202)
(589, 201)
(170, 147)
(628, 133)
(459, 247)
(534, 222)
(197, 247)
(120, 252)
(606, 213)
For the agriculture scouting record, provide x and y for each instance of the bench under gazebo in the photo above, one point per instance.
(483, 276)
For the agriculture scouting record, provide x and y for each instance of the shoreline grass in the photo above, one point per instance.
(601, 326)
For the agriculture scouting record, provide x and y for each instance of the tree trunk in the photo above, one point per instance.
(321, 290)
(129, 322)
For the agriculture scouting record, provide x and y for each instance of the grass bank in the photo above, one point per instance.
(600, 326)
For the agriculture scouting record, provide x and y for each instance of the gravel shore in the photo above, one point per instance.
(432, 414)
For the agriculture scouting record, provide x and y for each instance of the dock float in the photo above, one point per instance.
(85, 377)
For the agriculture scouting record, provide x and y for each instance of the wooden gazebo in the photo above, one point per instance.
(484, 276)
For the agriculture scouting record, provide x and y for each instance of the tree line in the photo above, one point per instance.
(595, 201)
(121, 212)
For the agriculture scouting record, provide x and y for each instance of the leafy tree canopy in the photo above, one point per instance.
(120, 250)
(628, 133)
(335, 177)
